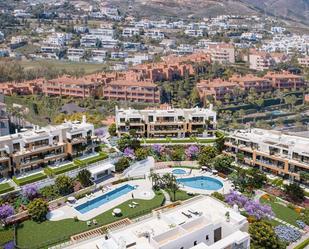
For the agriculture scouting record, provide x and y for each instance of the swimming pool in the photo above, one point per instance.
(201, 182)
(179, 171)
(99, 201)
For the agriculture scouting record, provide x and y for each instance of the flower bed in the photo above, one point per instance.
(287, 234)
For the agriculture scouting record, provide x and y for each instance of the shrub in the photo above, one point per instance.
(218, 196)
(64, 185)
(38, 209)
(84, 178)
(287, 234)
(122, 164)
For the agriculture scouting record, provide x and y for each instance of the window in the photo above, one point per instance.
(207, 237)
(195, 243)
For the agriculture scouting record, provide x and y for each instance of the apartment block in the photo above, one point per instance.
(166, 121)
(260, 60)
(223, 53)
(285, 80)
(199, 223)
(132, 90)
(249, 81)
(304, 61)
(282, 154)
(72, 87)
(216, 88)
(39, 147)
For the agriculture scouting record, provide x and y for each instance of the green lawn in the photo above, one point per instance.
(282, 212)
(5, 187)
(63, 169)
(33, 235)
(64, 65)
(94, 159)
(6, 235)
(180, 195)
(29, 179)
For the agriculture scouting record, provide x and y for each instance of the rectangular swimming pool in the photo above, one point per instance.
(105, 198)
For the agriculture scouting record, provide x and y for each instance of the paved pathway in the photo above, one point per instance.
(167, 197)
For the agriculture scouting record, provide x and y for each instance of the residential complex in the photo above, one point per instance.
(271, 151)
(199, 223)
(39, 147)
(220, 89)
(166, 121)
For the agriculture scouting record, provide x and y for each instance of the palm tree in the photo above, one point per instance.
(155, 179)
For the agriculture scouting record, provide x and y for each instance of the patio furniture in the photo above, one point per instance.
(88, 223)
(131, 206)
(94, 221)
(117, 211)
(135, 203)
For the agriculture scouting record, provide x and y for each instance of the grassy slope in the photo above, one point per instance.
(283, 212)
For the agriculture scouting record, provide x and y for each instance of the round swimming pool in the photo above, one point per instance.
(179, 171)
(201, 182)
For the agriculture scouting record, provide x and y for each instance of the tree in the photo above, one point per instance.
(177, 153)
(170, 183)
(122, 164)
(155, 179)
(223, 164)
(263, 236)
(30, 191)
(207, 154)
(112, 130)
(257, 179)
(5, 212)
(126, 141)
(141, 153)
(305, 216)
(219, 144)
(84, 177)
(64, 185)
(295, 192)
(38, 209)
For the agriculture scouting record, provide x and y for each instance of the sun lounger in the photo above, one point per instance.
(187, 215)
(94, 222)
(193, 212)
(88, 223)
(131, 206)
(135, 203)
(113, 214)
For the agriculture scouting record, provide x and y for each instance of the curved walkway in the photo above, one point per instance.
(167, 197)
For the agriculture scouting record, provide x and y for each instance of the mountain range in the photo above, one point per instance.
(290, 10)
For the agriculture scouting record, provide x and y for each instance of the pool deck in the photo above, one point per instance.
(227, 185)
(143, 191)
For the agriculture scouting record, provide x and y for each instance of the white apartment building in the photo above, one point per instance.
(138, 59)
(75, 54)
(129, 32)
(199, 223)
(276, 152)
(155, 34)
(194, 32)
(58, 39)
(166, 121)
(102, 32)
(98, 55)
(38, 147)
(119, 55)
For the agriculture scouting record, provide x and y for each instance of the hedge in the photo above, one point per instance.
(29, 179)
(5, 187)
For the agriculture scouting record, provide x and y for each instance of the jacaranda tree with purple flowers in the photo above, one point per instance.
(252, 207)
(6, 211)
(157, 149)
(128, 152)
(192, 151)
(30, 191)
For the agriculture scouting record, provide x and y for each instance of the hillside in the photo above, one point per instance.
(292, 10)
